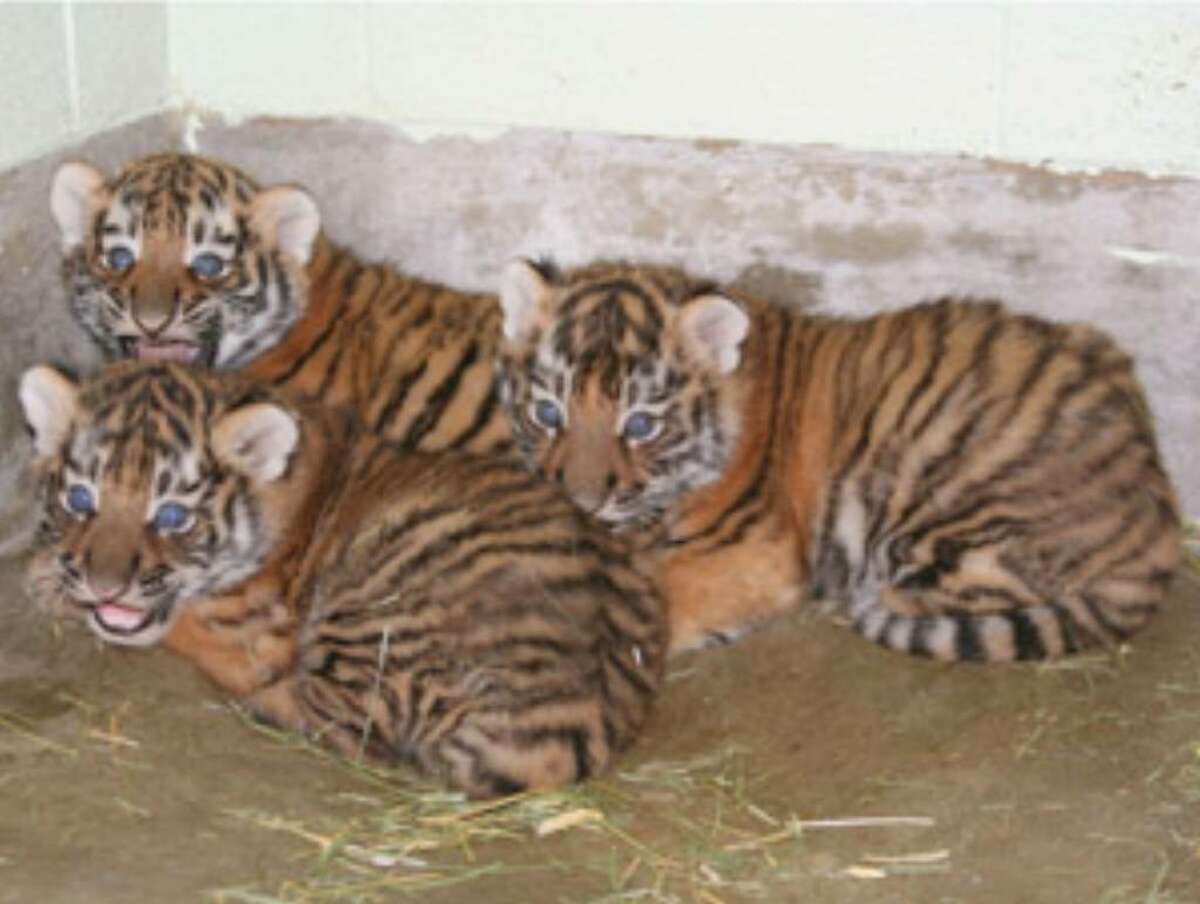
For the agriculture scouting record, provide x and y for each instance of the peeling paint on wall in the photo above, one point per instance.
(868, 244)
(828, 230)
(1142, 257)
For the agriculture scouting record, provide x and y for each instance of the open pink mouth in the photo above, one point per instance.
(118, 619)
(172, 350)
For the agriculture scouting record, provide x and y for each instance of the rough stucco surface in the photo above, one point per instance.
(839, 231)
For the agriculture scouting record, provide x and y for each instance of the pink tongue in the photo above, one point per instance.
(172, 351)
(124, 618)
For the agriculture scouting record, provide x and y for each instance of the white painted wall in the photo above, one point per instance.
(70, 69)
(1076, 85)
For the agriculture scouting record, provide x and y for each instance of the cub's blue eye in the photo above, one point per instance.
(641, 426)
(171, 516)
(118, 259)
(80, 500)
(207, 265)
(547, 414)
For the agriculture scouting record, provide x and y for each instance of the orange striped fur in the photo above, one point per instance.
(185, 257)
(967, 483)
(452, 611)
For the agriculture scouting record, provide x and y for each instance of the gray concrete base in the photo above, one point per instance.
(845, 232)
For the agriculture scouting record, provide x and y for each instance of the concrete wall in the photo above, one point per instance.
(1077, 84)
(68, 70)
(835, 230)
(431, 177)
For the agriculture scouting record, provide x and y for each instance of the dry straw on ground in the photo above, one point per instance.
(661, 832)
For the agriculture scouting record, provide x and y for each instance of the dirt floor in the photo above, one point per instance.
(124, 777)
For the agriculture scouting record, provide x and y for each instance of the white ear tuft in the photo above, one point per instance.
(49, 400)
(73, 198)
(521, 292)
(257, 440)
(713, 329)
(288, 216)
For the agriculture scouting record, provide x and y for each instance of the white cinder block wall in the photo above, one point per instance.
(1080, 85)
(1077, 85)
(70, 69)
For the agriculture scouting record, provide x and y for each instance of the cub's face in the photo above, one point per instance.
(153, 492)
(618, 382)
(183, 258)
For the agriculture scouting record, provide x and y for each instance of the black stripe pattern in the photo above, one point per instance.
(967, 482)
(413, 359)
(453, 612)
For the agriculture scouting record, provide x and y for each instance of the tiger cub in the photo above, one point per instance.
(452, 611)
(187, 258)
(968, 482)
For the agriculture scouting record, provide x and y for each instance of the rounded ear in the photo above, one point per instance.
(256, 440)
(522, 291)
(49, 400)
(713, 328)
(288, 217)
(74, 195)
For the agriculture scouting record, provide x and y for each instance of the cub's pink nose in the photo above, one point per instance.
(106, 589)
